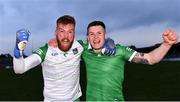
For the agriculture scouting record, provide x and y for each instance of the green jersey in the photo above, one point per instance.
(105, 74)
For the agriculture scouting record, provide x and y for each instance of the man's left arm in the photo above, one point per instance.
(170, 37)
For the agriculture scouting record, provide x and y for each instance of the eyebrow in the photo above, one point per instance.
(63, 29)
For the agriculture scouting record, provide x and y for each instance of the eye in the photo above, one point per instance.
(71, 32)
(61, 31)
(91, 33)
(100, 33)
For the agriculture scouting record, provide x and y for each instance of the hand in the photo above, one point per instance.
(170, 37)
(22, 37)
(109, 47)
(53, 42)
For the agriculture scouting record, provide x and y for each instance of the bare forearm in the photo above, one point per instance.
(158, 54)
(152, 57)
(170, 37)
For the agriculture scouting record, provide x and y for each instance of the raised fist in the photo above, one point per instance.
(170, 37)
(22, 37)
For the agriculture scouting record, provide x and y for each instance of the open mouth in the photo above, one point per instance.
(65, 41)
(96, 41)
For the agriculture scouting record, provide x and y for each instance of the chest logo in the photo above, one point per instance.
(75, 51)
(54, 54)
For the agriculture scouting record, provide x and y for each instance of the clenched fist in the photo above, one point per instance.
(170, 37)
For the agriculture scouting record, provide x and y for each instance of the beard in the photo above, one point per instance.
(64, 44)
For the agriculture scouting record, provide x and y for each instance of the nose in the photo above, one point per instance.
(95, 36)
(65, 34)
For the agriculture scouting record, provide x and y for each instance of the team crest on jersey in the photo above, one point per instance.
(75, 51)
(39, 51)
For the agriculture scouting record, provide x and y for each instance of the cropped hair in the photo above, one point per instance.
(96, 23)
(66, 19)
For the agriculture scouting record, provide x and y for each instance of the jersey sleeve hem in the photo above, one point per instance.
(132, 56)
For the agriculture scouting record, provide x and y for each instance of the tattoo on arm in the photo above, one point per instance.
(139, 58)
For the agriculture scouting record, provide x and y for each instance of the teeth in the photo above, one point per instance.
(96, 41)
(65, 40)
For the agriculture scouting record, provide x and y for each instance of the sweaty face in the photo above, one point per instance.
(96, 37)
(65, 36)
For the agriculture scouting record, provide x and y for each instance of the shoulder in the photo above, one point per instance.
(120, 47)
(84, 43)
(123, 49)
(42, 51)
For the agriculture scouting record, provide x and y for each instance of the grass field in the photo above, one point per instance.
(27, 86)
(159, 82)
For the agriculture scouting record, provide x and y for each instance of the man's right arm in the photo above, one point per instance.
(170, 37)
(22, 65)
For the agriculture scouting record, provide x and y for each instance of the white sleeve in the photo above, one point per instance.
(132, 56)
(22, 65)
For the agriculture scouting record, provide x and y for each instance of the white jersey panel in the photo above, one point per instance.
(61, 73)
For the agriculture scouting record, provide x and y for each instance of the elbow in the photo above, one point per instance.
(152, 62)
(18, 71)
(18, 66)
(152, 59)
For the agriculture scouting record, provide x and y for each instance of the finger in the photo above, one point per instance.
(113, 52)
(173, 36)
(166, 32)
(109, 52)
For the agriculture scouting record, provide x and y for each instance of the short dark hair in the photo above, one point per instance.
(96, 23)
(66, 19)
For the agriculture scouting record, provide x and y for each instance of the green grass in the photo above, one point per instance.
(25, 87)
(142, 82)
(157, 82)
